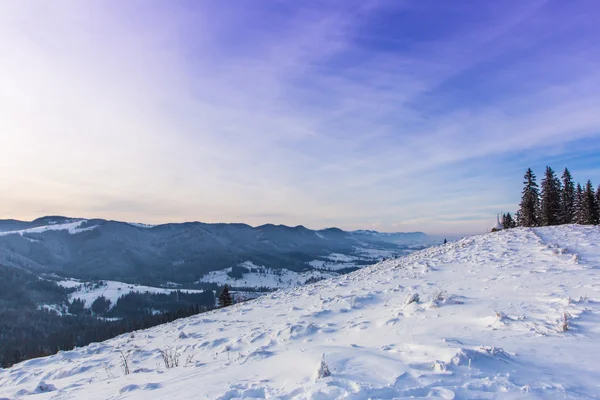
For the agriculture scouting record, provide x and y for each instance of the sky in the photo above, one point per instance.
(388, 115)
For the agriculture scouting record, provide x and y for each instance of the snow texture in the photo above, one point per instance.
(487, 323)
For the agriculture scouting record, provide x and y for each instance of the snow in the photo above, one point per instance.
(337, 261)
(264, 277)
(140, 225)
(341, 257)
(482, 317)
(112, 290)
(497, 226)
(72, 227)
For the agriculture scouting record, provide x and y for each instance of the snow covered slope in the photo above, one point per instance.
(511, 314)
(111, 290)
(260, 276)
(73, 226)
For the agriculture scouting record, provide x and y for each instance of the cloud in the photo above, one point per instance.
(357, 114)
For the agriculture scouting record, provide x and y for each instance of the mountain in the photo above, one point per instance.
(511, 314)
(189, 252)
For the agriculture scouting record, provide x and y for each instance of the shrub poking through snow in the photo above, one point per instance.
(170, 357)
(323, 371)
(189, 359)
(563, 324)
(412, 298)
(124, 357)
(44, 387)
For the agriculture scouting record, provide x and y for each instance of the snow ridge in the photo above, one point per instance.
(511, 314)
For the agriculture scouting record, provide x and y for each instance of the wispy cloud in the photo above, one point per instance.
(395, 115)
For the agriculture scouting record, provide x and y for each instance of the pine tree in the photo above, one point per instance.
(508, 222)
(567, 200)
(225, 299)
(550, 199)
(598, 201)
(518, 219)
(590, 207)
(529, 207)
(578, 208)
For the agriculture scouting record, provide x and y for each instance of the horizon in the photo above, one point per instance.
(209, 223)
(371, 115)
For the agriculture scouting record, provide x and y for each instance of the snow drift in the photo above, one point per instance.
(510, 314)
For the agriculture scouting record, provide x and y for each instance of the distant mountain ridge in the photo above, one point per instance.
(184, 252)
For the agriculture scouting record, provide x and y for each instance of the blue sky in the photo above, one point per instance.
(388, 115)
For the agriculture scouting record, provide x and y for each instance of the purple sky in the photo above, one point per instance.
(389, 115)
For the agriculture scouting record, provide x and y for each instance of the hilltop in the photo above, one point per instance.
(508, 314)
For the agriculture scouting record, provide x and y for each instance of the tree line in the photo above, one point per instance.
(557, 201)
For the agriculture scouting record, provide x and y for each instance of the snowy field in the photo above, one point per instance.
(336, 261)
(514, 314)
(263, 277)
(112, 290)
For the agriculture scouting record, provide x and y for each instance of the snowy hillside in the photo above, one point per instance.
(111, 290)
(511, 314)
(260, 276)
(72, 226)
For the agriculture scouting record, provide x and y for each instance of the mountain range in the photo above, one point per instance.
(182, 253)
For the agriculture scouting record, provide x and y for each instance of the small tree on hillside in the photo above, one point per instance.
(550, 199)
(529, 207)
(567, 199)
(225, 298)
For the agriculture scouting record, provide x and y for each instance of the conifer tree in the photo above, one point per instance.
(590, 207)
(550, 199)
(529, 207)
(504, 221)
(510, 222)
(225, 299)
(518, 219)
(507, 221)
(598, 201)
(567, 200)
(578, 209)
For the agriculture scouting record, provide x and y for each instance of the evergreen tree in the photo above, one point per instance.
(225, 299)
(567, 200)
(529, 207)
(507, 221)
(518, 219)
(550, 199)
(590, 207)
(598, 201)
(101, 305)
(578, 208)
